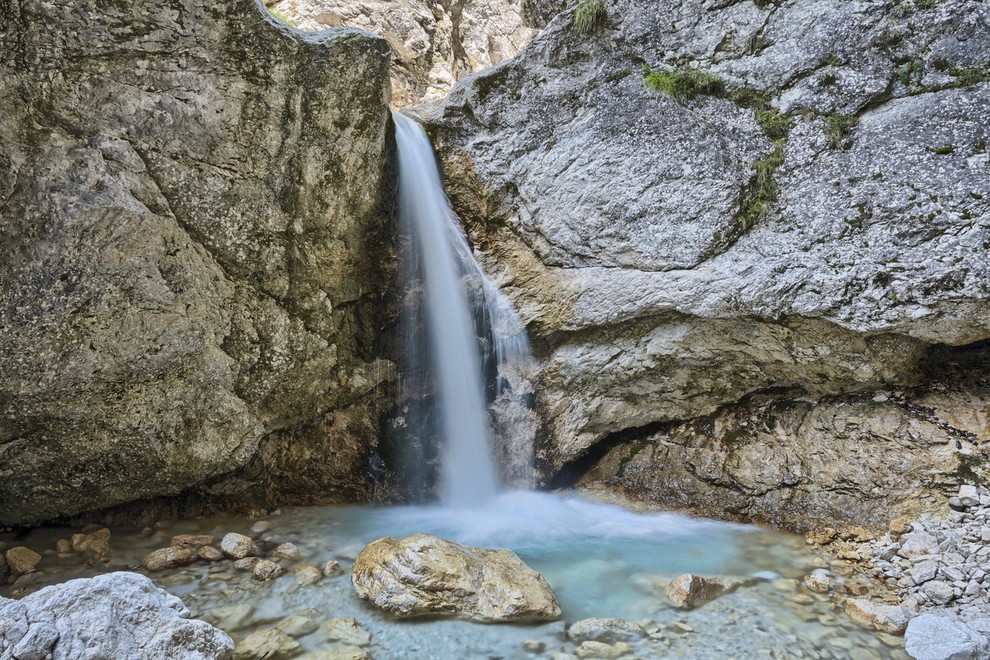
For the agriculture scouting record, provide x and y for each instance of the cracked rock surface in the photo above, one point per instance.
(193, 214)
(815, 225)
(117, 615)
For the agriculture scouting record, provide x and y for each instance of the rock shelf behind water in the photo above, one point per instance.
(423, 575)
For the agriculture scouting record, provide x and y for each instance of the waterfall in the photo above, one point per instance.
(468, 325)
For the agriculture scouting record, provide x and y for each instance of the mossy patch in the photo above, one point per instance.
(684, 83)
(590, 16)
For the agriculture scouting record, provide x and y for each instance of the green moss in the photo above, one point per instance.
(589, 16)
(911, 72)
(684, 83)
(838, 128)
(733, 437)
(618, 75)
(942, 151)
(280, 16)
(762, 192)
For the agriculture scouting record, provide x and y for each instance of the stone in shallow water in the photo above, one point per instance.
(592, 649)
(267, 643)
(424, 575)
(238, 546)
(887, 618)
(22, 560)
(689, 591)
(94, 546)
(818, 581)
(231, 617)
(346, 630)
(297, 625)
(605, 630)
(332, 569)
(267, 570)
(307, 573)
(286, 551)
(246, 564)
(935, 637)
(193, 540)
(345, 653)
(164, 558)
(209, 553)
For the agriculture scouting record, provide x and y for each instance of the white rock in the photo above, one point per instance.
(968, 496)
(938, 637)
(117, 615)
(238, 546)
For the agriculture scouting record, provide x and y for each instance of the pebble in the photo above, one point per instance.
(346, 630)
(332, 569)
(209, 553)
(261, 527)
(286, 551)
(267, 570)
(164, 558)
(307, 573)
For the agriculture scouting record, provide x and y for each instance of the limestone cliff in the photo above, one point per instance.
(434, 42)
(696, 202)
(193, 251)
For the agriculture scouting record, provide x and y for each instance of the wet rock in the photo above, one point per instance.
(261, 527)
(118, 615)
(605, 630)
(165, 558)
(94, 546)
(246, 564)
(886, 618)
(267, 570)
(297, 625)
(231, 617)
(238, 546)
(193, 540)
(424, 575)
(4, 569)
(209, 553)
(938, 637)
(346, 630)
(267, 643)
(689, 591)
(343, 653)
(63, 546)
(534, 646)
(22, 560)
(286, 551)
(307, 573)
(332, 569)
(818, 581)
(591, 649)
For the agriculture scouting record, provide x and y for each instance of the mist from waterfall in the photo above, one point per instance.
(470, 328)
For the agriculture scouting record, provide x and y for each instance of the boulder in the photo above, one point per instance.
(423, 575)
(689, 591)
(941, 637)
(191, 263)
(886, 618)
(117, 615)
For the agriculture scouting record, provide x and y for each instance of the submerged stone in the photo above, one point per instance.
(424, 575)
(689, 591)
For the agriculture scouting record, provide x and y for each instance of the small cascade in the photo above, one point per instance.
(462, 330)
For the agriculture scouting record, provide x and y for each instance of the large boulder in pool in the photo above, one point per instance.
(118, 615)
(423, 575)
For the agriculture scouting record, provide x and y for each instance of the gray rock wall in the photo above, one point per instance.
(814, 220)
(194, 246)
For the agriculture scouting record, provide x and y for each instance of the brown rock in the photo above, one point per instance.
(209, 553)
(307, 573)
(332, 569)
(193, 540)
(94, 546)
(4, 569)
(164, 558)
(345, 630)
(246, 564)
(423, 575)
(22, 560)
(286, 551)
(689, 591)
(238, 546)
(267, 570)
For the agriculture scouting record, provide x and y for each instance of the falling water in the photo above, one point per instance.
(450, 279)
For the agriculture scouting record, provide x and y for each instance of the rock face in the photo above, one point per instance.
(118, 615)
(933, 637)
(806, 218)
(194, 208)
(433, 43)
(423, 575)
